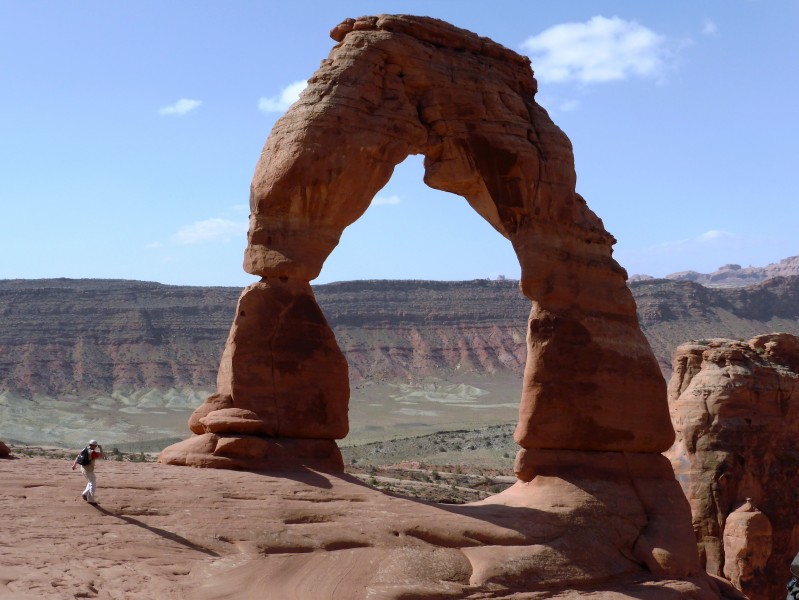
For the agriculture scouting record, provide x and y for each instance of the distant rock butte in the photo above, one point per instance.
(733, 275)
(735, 408)
(593, 414)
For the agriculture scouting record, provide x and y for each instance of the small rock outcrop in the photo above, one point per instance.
(5, 451)
(735, 409)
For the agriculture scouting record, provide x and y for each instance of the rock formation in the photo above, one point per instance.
(593, 416)
(5, 451)
(395, 86)
(735, 408)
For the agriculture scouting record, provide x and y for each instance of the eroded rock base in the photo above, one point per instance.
(253, 453)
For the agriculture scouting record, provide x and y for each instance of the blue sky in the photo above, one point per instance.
(130, 133)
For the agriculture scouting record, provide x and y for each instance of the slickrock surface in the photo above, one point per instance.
(735, 407)
(207, 534)
(396, 85)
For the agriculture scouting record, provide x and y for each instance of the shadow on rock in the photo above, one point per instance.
(161, 532)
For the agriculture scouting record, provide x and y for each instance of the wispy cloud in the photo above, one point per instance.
(709, 27)
(209, 230)
(287, 96)
(385, 200)
(714, 236)
(597, 51)
(180, 108)
(153, 245)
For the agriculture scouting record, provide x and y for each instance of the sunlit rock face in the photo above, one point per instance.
(735, 408)
(607, 512)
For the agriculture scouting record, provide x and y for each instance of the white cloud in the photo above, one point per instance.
(597, 51)
(714, 236)
(153, 245)
(210, 230)
(287, 96)
(180, 108)
(709, 27)
(385, 200)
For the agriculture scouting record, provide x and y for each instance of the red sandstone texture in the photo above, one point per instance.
(735, 408)
(602, 502)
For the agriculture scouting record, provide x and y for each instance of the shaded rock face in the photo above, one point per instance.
(398, 85)
(5, 451)
(735, 408)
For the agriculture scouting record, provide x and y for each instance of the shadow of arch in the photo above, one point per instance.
(395, 86)
(169, 535)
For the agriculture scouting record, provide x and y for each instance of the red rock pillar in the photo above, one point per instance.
(282, 388)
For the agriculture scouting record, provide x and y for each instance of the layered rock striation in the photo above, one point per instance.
(735, 408)
(65, 338)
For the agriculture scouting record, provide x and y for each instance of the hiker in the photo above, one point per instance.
(793, 584)
(86, 461)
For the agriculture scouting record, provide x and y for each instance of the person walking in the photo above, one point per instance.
(86, 460)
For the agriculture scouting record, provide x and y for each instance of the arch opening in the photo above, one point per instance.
(414, 232)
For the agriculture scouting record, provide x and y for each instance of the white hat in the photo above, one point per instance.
(92, 442)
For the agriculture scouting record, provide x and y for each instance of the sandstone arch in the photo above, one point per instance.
(394, 86)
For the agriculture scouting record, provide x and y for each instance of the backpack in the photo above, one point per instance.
(84, 458)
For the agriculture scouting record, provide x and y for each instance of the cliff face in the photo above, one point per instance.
(672, 312)
(62, 337)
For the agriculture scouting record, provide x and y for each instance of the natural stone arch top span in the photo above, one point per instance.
(400, 85)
